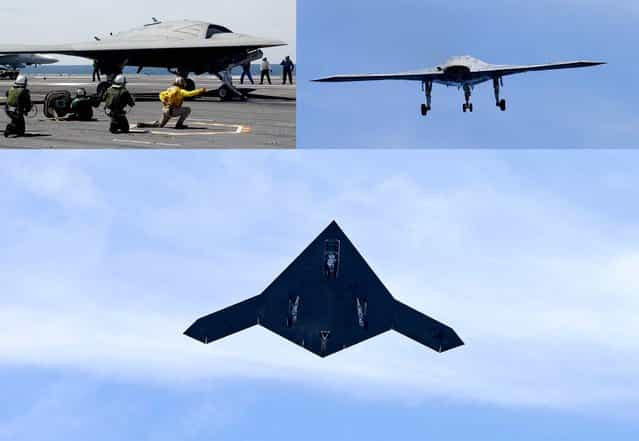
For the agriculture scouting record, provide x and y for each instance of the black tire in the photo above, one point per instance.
(464, 108)
(57, 103)
(470, 107)
(502, 105)
(424, 110)
(189, 84)
(224, 92)
(101, 90)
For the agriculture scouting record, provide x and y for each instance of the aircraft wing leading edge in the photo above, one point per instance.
(413, 76)
(511, 70)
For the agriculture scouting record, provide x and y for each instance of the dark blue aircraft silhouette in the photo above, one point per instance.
(326, 300)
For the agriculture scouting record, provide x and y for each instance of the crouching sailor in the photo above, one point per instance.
(172, 100)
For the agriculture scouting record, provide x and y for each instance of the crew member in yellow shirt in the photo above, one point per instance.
(172, 100)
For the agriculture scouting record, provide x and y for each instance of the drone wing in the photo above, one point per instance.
(423, 329)
(500, 71)
(422, 75)
(227, 321)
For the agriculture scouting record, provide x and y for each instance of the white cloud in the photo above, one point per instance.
(50, 408)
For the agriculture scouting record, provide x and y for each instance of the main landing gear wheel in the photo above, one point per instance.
(101, 89)
(502, 105)
(424, 109)
(189, 84)
(224, 92)
(467, 107)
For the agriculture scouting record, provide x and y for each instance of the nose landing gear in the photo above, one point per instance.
(467, 106)
(228, 91)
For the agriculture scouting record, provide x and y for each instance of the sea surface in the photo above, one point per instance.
(59, 69)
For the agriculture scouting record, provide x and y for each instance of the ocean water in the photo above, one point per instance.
(59, 69)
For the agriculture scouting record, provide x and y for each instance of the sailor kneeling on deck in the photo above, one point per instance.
(172, 100)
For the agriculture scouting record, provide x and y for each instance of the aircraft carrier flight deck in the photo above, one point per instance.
(265, 120)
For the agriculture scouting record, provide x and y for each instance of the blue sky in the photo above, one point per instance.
(532, 256)
(592, 107)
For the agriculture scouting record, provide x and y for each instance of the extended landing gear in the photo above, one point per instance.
(497, 84)
(427, 87)
(101, 89)
(189, 84)
(228, 91)
(111, 71)
(467, 106)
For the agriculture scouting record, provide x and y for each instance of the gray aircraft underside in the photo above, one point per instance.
(19, 61)
(326, 300)
(183, 47)
(463, 72)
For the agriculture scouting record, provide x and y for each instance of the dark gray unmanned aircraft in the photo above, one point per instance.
(463, 72)
(183, 47)
(326, 300)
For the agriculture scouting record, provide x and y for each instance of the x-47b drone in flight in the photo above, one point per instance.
(465, 73)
